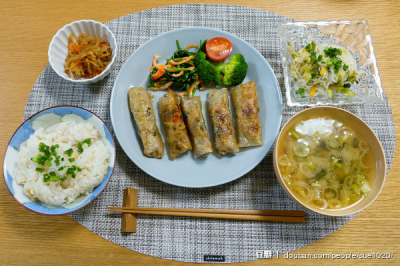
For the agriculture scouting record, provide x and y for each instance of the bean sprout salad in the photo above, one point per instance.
(320, 70)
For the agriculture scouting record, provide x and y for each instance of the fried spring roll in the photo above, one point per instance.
(198, 133)
(177, 136)
(221, 118)
(245, 100)
(143, 112)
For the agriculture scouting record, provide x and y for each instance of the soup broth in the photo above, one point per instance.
(326, 163)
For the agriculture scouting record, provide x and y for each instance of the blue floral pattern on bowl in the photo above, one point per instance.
(48, 117)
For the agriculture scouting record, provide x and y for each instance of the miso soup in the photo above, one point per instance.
(326, 162)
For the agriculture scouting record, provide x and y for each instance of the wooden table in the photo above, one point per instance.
(27, 27)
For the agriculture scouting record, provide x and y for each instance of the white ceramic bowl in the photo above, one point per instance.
(58, 47)
(375, 145)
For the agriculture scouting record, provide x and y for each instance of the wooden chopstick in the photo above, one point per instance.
(221, 211)
(255, 215)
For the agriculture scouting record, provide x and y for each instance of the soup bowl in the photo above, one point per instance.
(356, 123)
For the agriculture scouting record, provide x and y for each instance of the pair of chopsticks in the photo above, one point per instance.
(254, 215)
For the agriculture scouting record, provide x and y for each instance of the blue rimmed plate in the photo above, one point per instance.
(186, 171)
(46, 118)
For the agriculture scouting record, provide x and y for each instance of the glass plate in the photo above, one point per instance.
(353, 35)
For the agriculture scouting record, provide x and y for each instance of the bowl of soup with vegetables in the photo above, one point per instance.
(329, 161)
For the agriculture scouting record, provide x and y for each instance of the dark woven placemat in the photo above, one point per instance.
(189, 239)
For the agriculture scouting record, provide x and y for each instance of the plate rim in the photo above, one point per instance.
(236, 176)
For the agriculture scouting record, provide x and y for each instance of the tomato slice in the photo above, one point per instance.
(218, 49)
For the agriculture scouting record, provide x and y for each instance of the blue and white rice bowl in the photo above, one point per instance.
(45, 119)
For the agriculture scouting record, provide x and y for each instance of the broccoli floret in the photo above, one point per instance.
(206, 70)
(235, 70)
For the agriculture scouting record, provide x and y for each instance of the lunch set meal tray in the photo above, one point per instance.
(198, 239)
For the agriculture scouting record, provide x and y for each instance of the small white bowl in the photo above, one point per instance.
(58, 50)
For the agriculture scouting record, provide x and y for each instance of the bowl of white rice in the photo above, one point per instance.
(59, 160)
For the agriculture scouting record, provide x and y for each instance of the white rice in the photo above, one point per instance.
(93, 161)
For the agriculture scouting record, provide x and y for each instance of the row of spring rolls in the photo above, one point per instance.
(176, 115)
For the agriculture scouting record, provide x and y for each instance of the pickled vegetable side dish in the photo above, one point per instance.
(326, 163)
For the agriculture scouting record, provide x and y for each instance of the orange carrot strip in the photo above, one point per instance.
(191, 45)
(174, 63)
(76, 48)
(178, 75)
(192, 87)
(75, 64)
(160, 72)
